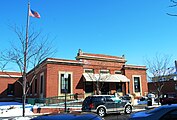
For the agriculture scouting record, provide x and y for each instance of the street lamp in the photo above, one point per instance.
(66, 78)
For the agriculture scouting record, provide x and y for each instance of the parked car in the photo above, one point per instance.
(143, 100)
(126, 97)
(104, 104)
(165, 112)
(86, 116)
(168, 99)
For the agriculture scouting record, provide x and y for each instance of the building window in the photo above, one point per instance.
(118, 72)
(10, 90)
(31, 89)
(88, 71)
(175, 86)
(66, 82)
(41, 83)
(104, 71)
(137, 84)
(88, 87)
(119, 87)
(35, 86)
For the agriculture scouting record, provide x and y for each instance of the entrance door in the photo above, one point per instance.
(104, 88)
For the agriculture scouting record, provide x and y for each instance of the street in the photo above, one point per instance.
(117, 116)
(107, 117)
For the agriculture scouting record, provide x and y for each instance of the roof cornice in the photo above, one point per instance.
(64, 61)
(11, 76)
(101, 58)
(134, 67)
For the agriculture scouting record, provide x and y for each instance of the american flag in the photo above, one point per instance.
(33, 13)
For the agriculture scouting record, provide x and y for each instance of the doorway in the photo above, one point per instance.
(104, 88)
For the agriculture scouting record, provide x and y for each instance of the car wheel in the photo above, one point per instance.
(128, 109)
(101, 112)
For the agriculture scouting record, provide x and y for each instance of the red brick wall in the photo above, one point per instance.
(8, 79)
(4, 85)
(142, 73)
(98, 65)
(37, 72)
(53, 77)
(169, 87)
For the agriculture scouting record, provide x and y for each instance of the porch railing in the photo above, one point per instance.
(71, 99)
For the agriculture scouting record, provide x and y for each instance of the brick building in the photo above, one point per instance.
(8, 83)
(167, 83)
(168, 87)
(85, 75)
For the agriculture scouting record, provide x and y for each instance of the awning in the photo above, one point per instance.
(90, 77)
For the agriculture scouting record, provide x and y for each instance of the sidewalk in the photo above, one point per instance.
(57, 109)
(137, 108)
(44, 110)
(142, 107)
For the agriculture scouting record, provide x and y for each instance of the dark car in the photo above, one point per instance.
(164, 112)
(168, 99)
(104, 104)
(86, 116)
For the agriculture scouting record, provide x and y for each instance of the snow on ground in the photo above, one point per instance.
(13, 109)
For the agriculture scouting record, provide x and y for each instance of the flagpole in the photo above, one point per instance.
(25, 58)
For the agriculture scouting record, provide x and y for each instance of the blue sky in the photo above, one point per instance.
(138, 29)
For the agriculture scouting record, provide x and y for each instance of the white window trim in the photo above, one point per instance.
(59, 79)
(137, 93)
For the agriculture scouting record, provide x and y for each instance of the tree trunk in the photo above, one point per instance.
(24, 93)
(24, 101)
(158, 97)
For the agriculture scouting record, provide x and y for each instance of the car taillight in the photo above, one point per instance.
(91, 105)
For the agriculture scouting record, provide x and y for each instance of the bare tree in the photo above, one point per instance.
(174, 4)
(26, 56)
(98, 80)
(159, 69)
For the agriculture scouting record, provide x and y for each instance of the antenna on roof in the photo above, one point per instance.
(79, 52)
(176, 65)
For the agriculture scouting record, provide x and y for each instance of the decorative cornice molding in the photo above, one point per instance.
(11, 76)
(134, 67)
(64, 61)
(101, 58)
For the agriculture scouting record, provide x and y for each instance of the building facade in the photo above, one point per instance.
(8, 85)
(88, 74)
(165, 84)
(168, 87)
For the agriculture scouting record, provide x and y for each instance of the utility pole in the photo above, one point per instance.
(66, 79)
